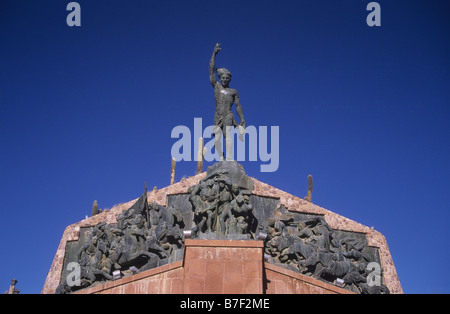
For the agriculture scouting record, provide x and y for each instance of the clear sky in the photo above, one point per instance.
(86, 113)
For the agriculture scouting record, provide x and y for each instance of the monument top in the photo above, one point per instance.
(224, 204)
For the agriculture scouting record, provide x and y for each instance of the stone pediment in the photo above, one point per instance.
(148, 232)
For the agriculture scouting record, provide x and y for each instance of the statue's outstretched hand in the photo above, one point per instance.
(217, 48)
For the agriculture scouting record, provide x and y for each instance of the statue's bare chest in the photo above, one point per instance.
(224, 95)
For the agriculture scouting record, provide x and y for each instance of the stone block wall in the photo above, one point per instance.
(223, 266)
(283, 281)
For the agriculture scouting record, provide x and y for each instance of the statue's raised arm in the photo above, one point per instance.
(212, 65)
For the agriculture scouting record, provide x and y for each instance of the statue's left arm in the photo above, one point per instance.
(239, 110)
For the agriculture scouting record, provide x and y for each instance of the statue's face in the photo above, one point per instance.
(225, 79)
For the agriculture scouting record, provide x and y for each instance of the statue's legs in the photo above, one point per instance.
(228, 142)
(218, 142)
(222, 126)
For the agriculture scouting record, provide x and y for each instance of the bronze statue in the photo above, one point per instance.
(225, 97)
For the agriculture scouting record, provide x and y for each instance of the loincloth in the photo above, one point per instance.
(224, 121)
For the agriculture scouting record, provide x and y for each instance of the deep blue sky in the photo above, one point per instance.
(86, 113)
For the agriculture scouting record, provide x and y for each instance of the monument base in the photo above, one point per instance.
(217, 267)
(287, 262)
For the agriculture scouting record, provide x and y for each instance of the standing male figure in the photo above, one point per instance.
(225, 97)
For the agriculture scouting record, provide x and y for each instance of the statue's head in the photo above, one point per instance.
(224, 76)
